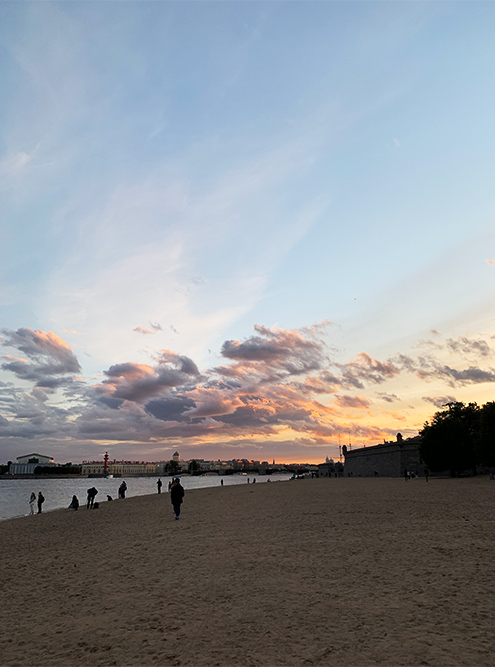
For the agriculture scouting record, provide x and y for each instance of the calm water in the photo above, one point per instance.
(15, 493)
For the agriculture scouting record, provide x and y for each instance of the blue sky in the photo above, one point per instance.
(173, 175)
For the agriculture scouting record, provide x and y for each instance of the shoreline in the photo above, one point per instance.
(58, 492)
(337, 572)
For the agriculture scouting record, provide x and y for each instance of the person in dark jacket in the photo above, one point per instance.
(41, 500)
(92, 493)
(176, 495)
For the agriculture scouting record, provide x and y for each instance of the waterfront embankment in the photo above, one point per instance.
(311, 572)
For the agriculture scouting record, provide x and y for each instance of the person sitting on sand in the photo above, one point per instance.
(74, 503)
(176, 495)
(32, 501)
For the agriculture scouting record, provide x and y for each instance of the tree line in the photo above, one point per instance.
(460, 437)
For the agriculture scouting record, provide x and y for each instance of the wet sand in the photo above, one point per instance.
(311, 572)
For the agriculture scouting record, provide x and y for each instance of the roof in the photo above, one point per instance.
(44, 456)
(408, 442)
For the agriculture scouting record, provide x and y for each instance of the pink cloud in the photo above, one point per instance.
(345, 401)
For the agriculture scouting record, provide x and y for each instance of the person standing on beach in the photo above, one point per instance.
(427, 473)
(92, 492)
(176, 495)
(32, 500)
(122, 490)
(159, 485)
(41, 500)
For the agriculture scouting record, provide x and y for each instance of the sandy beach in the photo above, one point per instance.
(311, 572)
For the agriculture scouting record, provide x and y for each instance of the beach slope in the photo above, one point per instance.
(308, 572)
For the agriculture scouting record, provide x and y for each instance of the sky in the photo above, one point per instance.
(242, 229)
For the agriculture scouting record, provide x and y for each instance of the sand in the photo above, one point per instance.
(307, 572)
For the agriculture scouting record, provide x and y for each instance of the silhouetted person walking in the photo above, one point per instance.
(176, 496)
(41, 500)
(159, 485)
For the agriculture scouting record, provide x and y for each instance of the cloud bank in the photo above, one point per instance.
(275, 386)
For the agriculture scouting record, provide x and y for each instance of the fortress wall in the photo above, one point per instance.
(387, 460)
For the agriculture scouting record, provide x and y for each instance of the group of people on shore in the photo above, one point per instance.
(410, 474)
(33, 500)
(175, 488)
(91, 503)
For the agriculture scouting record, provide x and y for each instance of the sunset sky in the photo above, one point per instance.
(242, 229)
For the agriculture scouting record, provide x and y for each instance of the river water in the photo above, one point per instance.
(15, 493)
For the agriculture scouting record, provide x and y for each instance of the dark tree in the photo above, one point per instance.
(486, 444)
(194, 467)
(451, 440)
(172, 467)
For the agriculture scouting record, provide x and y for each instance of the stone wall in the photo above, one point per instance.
(387, 460)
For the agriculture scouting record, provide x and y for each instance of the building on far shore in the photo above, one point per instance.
(387, 460)
(26, 465)
(330, 468)
(119, 468)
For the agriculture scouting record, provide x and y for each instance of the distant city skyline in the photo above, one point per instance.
(242, 230)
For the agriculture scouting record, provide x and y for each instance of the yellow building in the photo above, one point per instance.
(119, 468)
